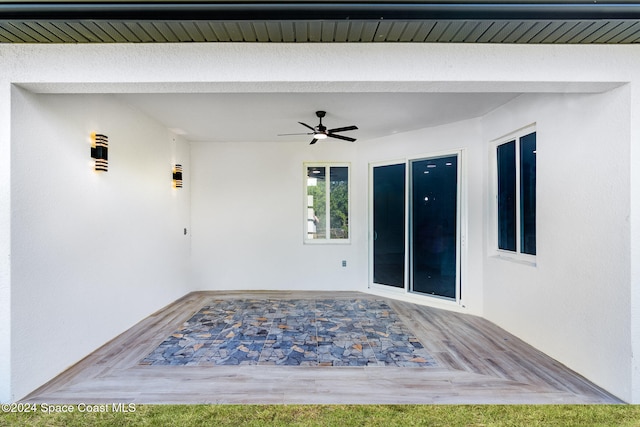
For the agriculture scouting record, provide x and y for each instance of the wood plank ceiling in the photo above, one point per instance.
(313, 22)
(610, 32)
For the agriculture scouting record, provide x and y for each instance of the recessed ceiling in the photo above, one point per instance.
(259, 117)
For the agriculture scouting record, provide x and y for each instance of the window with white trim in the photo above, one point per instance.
(515, 187)
(326, 203)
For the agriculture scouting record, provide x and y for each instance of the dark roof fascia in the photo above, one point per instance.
(310, 11)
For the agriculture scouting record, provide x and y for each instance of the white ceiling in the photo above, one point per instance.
(257, 117)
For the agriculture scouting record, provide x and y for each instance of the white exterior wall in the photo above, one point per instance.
(634, 222)
(249, 219)
(5, 242)
(92, 252)
(364, 67)
(574, 304)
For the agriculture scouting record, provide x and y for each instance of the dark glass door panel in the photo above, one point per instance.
(389, 225)
(528, 194)
(433, 222)
(506, 157)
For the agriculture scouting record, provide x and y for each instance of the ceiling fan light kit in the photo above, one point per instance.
(321, 132)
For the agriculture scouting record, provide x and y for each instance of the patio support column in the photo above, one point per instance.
(635, 241)
(5, 241)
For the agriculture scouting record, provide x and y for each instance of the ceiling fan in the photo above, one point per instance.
(321, 131)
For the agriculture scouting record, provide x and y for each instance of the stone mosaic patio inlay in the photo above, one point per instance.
(358, 332)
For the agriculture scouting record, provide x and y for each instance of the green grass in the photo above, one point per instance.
(339, 415)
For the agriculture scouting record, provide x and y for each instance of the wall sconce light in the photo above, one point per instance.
(100, 151)
(177, 176)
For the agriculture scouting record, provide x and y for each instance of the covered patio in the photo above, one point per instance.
(86, 256)
(472, 361)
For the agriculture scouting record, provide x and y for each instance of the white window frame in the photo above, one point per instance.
(328, 239)
(494, 250)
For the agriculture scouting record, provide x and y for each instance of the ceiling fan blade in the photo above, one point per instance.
(313, 141)
(343, 129)
(287, 134)
(346, 138)
(306, 125)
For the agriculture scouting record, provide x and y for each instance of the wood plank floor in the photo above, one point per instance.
(478, 363)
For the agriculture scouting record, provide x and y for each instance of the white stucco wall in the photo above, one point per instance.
(364, 67)
(5, 242)
(574, 304)
(92, 253)
(634, 223)
(248, 219)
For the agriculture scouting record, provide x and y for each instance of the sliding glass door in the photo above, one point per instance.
(416, 226)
